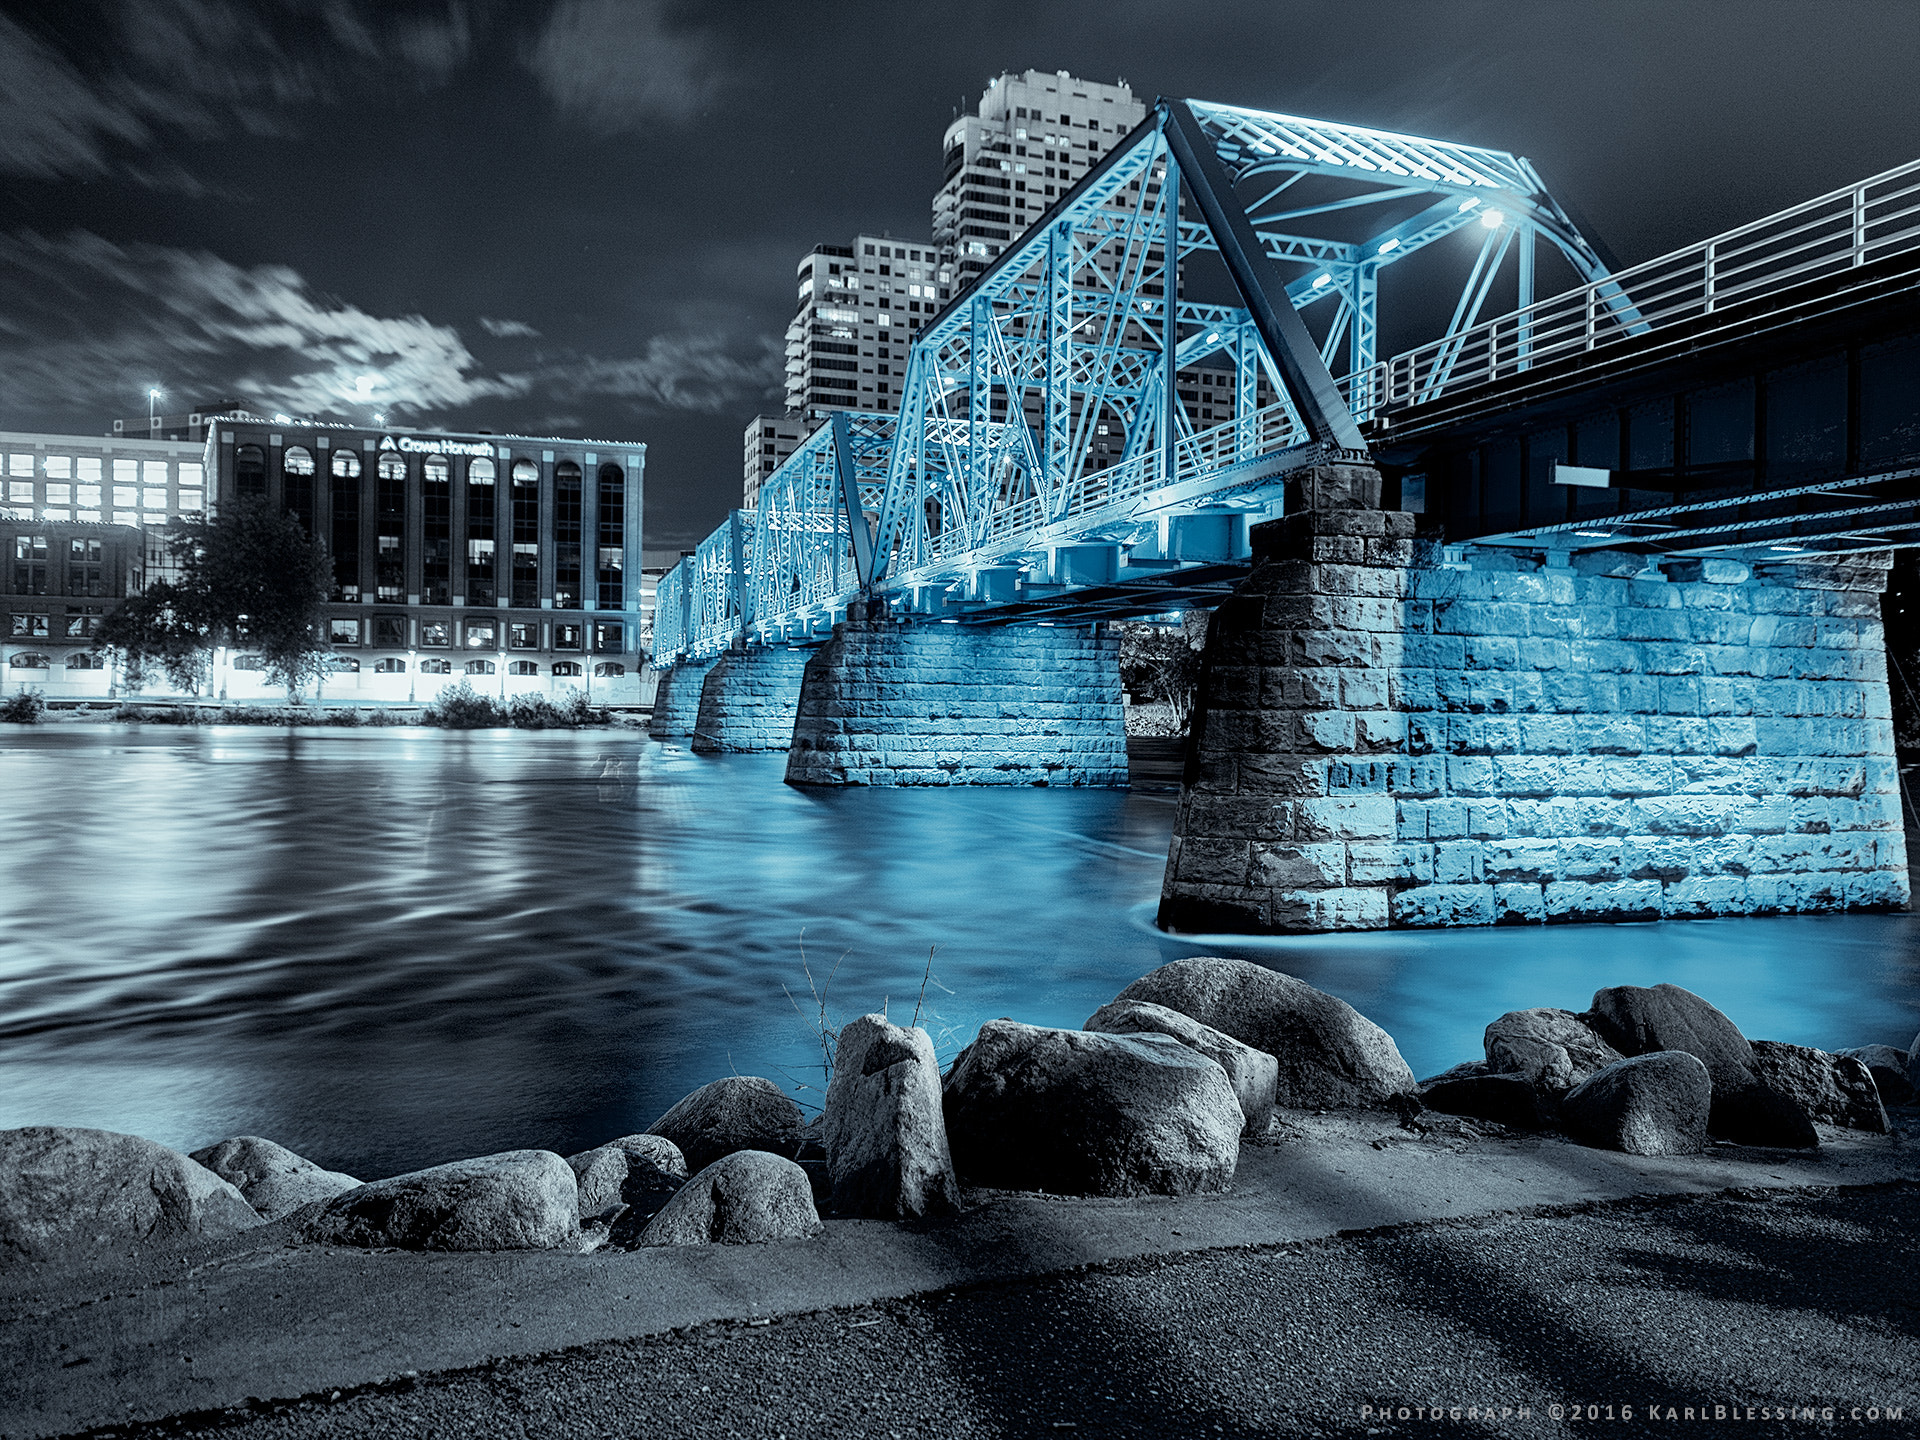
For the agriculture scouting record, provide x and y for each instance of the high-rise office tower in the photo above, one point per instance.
(860, 306)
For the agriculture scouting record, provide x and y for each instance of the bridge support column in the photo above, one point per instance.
(748, 700)
(886, 703)
(676, 704)
(1383, 740)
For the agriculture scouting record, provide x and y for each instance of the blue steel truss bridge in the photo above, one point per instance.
(1050, 465)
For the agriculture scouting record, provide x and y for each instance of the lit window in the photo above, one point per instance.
(20, 465)
(191, 500)
(57, 514)
(523, 667)
(87, 494)
(345, 466)
(342, 665)
(392, 467)
(297, 461)
(126, 495)
(156, 499)
(154, 472)
(88, 468)
(436, 634)
(480, 635)
(431, 666)
(31, 662)
(189, 472)
(479, 667)
(127, 472)
(525, 472)
(344, 632)
(93, 515)
(523, 637)
(126, 517)
(249, 662)
(30, 625)
(609, 670)
(390, 667)
(59, 494)
(566, 667)
(84, 660)
(20, 490)
(59, 467)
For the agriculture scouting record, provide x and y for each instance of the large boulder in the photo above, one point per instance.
(1639, 1020)
(1648, 1105)
(1553, 1049)
(1913, 1063)
(1075, 1112)
(1888, 1066)
(1252, 1073)
(743, 1198)
(271, 1178)
(1328, 1053)
(1833, 1089)
(883, 1130)
(1506, 1099)
(65, 1189)
(618, 1184)
(516, 1200)
(741, 1112)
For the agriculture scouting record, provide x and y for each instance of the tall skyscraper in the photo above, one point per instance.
(1032, 137)
(860, 306)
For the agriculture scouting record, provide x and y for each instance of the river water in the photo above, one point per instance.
(391, 948)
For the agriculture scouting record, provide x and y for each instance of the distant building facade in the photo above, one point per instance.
(82, 526)
(511, 562)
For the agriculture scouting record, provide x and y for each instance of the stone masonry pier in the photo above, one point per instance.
(748, 700)
(919, 703)
(676, 703)
(1383, 740)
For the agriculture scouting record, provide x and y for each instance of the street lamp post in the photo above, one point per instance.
(153, 412)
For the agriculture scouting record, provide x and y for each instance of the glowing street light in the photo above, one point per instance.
(153, 413)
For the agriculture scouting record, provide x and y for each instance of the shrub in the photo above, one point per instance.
(536, 712)
(26, 708)
(461, 707)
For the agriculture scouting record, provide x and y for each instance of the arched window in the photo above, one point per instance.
(249, 662)
(346, 464)
(434, 469)
(393, 467)
(30, 661)
(609, 670)
(85, 660)
(390, 667)
(566, 667)
(525, 472)
(522, 667)
(342, 665)
(249, 471)
(431, 666)
(479, 667)
(298, 460)
(480, 472)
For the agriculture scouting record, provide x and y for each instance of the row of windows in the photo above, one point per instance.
(81, 622)
(22, 466)
(347, 665)
(390, 631)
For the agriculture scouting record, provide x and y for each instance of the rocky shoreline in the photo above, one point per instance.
(1155, 1097)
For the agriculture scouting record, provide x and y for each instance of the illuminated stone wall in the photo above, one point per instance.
(1384, 741)
(748, 700)
(931, 704)
(676, 703)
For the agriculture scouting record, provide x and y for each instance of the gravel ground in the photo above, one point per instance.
(1768, 1300)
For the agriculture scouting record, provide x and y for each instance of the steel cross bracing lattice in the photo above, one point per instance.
(1042, 442)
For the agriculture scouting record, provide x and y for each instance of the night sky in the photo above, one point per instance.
(583, 217)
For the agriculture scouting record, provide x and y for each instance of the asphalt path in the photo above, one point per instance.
(1794, 1312)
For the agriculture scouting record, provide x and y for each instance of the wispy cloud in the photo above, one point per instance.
(91, 323)
(508, 329)
(201, 68)
(87, 325)
(623, 65)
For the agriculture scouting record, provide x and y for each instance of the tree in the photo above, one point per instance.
(251, 577)
(1162, 662)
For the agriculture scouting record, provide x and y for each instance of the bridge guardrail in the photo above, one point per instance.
(1833, 233)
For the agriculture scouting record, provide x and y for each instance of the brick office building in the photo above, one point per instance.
(512, 562)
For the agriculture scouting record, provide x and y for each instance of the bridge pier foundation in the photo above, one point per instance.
(1381, 739)
(676, 703)
(890, 703)
(748, 700)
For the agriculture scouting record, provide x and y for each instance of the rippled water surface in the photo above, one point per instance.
(391, 948)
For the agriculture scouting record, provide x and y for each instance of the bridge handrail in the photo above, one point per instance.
(1843, 229)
